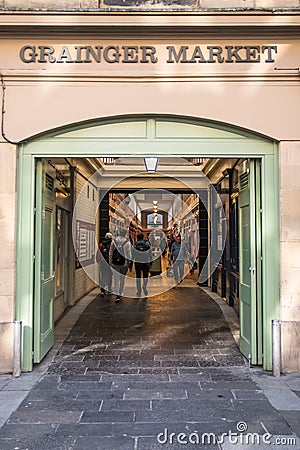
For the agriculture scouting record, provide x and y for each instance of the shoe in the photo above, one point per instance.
(138, 293)
(145, 291)
(102, 293)
(118, 299)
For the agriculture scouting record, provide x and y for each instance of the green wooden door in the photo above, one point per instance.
(45, 261)
(248, 264)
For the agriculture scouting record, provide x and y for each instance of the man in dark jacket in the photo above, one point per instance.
(102, 258)
(142, 257)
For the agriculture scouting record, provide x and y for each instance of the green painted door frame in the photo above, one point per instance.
(250, 260)
(159, 136)
(44, 289)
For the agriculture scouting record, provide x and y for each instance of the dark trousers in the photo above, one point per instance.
(139, 270)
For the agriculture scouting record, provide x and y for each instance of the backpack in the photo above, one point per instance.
(104, 249)
(141, 246)
(118, 259)
(141, 252)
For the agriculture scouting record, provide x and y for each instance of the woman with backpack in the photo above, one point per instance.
(120, 260)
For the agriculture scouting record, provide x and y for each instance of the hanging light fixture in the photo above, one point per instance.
(151, 164)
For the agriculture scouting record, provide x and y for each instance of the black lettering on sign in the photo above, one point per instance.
(252, 53)
(148, 54)
(215, 54)
(28, 54)
(130, 54)
(176, 57)
(270, 49)
(46, 54)
(233, 52)
(64, 55)
(94, 53)
(198, 55)
(111, 54)
(145, 54)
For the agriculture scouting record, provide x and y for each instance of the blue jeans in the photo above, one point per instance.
(178, 267)
(119, 278)
(105, 274)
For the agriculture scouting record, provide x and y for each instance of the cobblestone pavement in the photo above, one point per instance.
(130, 374)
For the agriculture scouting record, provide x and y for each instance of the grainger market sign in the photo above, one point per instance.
(148, 54)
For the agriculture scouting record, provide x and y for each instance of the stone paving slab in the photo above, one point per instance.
(9, 400)
(62, 405)
(293, 419)
(224, 384)
(25, 431)
(100, 394)
(283, 399)
(152, 444)
(44, 443)
(104, 443)
(107, 416)
(49, 416)
(280, 427)
(154, 394)
(84, 429)
(159, 385)
(125, 405)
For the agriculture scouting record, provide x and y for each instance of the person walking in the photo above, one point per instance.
(102, 258)
(178, 252)
(163, 245)
(120, 260)
(142, 257)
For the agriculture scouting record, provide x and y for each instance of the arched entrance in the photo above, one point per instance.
(165, 136)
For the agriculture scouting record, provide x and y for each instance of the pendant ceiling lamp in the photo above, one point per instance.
(151, 164)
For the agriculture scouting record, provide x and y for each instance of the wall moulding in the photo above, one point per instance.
(137, 19)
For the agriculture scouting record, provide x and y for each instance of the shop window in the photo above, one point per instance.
(155, 220)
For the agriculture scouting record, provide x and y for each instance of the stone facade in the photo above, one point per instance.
(149, 4)
(290, 246)
(113, 95)
(7, 260)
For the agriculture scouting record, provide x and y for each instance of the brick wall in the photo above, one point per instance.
(148, 4)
